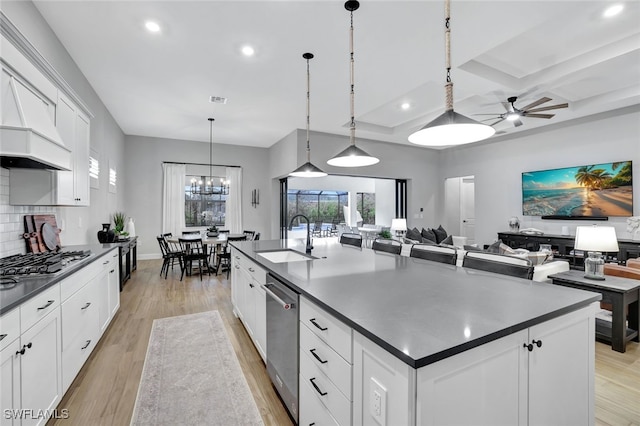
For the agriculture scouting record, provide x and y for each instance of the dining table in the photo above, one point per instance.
(215, 242)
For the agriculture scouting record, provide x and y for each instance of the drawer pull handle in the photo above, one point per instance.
(317, 388)
(237, 267)
(49, 303)
(251, 285)
(313, 321)
(2, 336)
(251, 270)
(86, 345)
(105, 263)
(237, 257)
(85, 306)
(315, 355)
(115, 255)
(112, 271)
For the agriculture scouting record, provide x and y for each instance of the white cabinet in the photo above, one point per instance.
(10, 364)
(249, 299)
(113, 284)
(108, 289)
(325, 367)
(63, 188)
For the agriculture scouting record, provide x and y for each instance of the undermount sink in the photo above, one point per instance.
(284, 256)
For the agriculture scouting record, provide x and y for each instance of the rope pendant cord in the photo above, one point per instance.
(211, 152)
(447, 54)
(352, 128)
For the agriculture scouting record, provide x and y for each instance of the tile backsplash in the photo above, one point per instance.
(11, 219)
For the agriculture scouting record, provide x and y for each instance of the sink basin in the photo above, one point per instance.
(284, 256)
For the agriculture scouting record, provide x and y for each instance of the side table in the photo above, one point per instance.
(622, 293)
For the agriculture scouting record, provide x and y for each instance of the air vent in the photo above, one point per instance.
(217, 100)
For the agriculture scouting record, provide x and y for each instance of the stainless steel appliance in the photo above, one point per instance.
(282, 341)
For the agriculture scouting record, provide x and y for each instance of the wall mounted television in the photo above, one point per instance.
(592, 191)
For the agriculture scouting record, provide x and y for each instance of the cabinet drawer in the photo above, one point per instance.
(38, 307)
(9, 327)
(77, 350)
(79, 313)
(324, 390)
(330, 330)
(312, 412)
(73, 283)
(327, 360)
(239, 259)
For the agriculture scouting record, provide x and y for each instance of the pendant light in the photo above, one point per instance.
(308, 170)
(450, 128)
(352, 156)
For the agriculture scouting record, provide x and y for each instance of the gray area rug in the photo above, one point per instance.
(191, 376)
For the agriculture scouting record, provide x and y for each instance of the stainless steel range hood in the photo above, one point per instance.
(28, 136)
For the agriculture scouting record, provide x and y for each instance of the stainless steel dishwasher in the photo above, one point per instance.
(282, 341)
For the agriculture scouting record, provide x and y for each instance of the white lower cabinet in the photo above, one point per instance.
(325, 367)
(249, 299)
(542, 375)
(45, 341)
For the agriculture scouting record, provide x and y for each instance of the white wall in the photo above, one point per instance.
(385, 201)
(497, 167)
(80, 224)
(144, 185)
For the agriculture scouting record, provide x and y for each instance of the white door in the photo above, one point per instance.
(468, 209)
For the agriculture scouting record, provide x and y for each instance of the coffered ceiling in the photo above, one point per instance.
(159, 84)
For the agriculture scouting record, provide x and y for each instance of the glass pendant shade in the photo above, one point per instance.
(451, 128)
(307, 170)
(352, 157)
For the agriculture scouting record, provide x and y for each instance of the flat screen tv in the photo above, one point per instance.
(589, 191)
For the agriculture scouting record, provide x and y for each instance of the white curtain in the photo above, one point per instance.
(233, 217)
(174, 176)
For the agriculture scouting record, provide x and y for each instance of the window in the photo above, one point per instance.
(367, 207)
(205, 201)
(317, 205)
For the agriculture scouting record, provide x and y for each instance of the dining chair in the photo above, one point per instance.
(193, 251)
(169, 256)
(386, 245)
(434, 253)
(351, 239)
(190, 232)
(256, 237)
(223, 258)
(499, 263)
(249, 234)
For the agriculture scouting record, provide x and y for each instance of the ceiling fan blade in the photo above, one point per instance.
(494, 123)
(547, 108)
(517, 123)
(507, 106)
(539, 115)
(489, 119)
(536, 103)
(495, 114)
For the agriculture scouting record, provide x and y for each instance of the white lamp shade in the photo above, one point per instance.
(596, 238)
(398, 224)
(451, 128)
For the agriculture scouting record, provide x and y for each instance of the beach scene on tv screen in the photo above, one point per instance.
(591, 190)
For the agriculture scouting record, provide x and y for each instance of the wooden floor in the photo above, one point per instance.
(104, 392)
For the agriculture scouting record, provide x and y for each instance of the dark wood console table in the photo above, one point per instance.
(621, 293)
(128, 258)
(562, 246)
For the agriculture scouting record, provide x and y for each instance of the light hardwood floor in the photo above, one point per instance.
(104, 392)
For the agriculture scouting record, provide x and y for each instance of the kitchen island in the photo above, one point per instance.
(429, 338)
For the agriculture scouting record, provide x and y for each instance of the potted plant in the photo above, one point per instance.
(385, 234)
(118, 220)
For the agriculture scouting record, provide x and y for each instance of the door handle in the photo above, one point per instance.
(317, 388)
(49, 303)
(320, 360)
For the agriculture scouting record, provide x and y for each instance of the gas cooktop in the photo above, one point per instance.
(39, 263)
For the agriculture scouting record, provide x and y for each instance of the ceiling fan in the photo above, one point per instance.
(514, 114)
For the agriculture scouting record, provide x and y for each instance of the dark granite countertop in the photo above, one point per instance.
(419, 311)
(29, 286)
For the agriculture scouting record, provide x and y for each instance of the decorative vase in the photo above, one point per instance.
(130, 227)
(106, 235)
(514, 224)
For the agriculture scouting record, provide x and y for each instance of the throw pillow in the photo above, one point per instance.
(429, 235)
(472, 248)
(440, 232)
(495, 247)
(505, 249)
(448, 240)
(410, 241)
(428, 241)
(414, 234)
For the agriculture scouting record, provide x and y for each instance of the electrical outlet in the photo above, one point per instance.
(378, 402)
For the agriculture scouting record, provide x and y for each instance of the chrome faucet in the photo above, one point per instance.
(309, 246)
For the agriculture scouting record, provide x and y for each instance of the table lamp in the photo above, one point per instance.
(595, 240)
(399, 225)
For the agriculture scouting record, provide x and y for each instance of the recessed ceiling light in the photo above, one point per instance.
(613, 10)
(152, 26)
(248, 51)
(405, 105)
